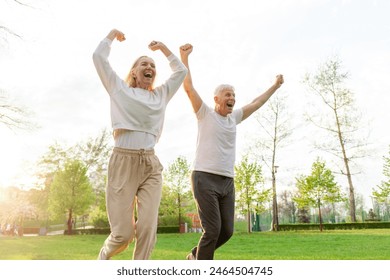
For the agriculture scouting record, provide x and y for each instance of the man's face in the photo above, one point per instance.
(225, 101)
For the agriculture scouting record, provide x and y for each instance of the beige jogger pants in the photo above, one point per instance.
(134, 178)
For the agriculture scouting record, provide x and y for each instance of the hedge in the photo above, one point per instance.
(339, 226)
(106, 231)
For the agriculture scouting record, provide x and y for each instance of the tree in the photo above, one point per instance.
(71, 192)
(40, 199)
(382, 193)
(176, 189)
(16, 207)
(93, 152)
(274, 121)
(303, 215)
(287, 207)
(249, 198)
(317, 188)
(339, 119)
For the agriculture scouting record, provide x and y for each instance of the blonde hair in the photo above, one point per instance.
(130, 79)
(222, 88)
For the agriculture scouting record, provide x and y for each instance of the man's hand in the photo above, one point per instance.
(185, 50)
(279, 80)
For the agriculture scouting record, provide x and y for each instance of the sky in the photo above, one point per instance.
(245, 43)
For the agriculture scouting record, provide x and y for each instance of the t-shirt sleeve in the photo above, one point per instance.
(237, 115)
(203, 110)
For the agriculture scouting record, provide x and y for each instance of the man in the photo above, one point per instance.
(213, 168)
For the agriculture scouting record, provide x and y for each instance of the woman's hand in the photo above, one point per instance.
(156, 45)
(116, 34)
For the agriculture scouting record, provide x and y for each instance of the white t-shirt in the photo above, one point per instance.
(216, 143)
(136, 109)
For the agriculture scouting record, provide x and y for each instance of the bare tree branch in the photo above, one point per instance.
(13, 116)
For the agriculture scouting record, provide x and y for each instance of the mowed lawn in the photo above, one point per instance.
(300, 245)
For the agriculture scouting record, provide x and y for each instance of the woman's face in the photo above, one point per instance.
(144, 73)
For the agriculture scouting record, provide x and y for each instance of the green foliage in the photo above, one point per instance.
(338, 226)
(39, 199)
(93, 152)
(89, 231)
(382, 193)
(99, 218)
(248, 180)
(176, 193)
(106, 231)
(168, 229)
(71, 190)
(173, 221)
(318, 187)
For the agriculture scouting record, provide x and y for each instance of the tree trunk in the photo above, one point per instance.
(179, 206)
(249, 220)
(352, 205)
(320, 214)
(70, 222)
(275, 220)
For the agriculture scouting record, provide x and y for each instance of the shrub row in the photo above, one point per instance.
(106, 231)
(168, 229)
(31, 230)
(340, 226)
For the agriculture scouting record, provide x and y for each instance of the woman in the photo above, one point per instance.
(134, 171)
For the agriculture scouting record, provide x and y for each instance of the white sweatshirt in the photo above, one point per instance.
(137, 109)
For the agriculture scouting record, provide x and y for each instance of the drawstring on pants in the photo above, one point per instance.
(141, 154)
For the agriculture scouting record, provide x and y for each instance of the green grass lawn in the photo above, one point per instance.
(300, 245)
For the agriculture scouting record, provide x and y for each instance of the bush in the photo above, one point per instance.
(99, 218)
(168, 229)
(86, 231)
(106, 231)
(173, 221)
(31, 230)
(344, 226)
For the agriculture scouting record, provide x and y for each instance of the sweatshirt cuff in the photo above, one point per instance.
(108, 41)
(171, 57)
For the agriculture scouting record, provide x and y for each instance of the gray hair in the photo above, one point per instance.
(222, 88)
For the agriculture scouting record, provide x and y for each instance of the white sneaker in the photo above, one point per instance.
(102, 255)
(191, 257)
